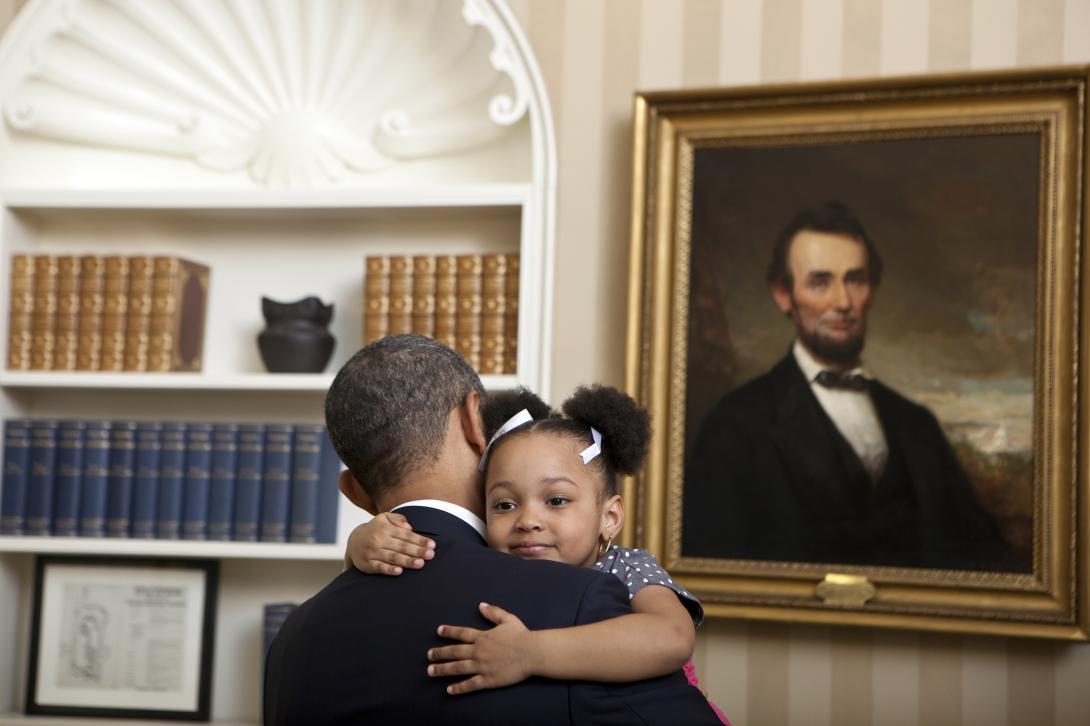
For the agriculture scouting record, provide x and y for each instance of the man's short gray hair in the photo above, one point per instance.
(388, 407)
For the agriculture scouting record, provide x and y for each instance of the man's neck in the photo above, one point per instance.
(464, 491)
(453, 476)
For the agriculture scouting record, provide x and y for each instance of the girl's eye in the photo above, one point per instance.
(504, 506)
(557, 501)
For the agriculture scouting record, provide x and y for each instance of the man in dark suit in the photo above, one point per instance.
(404, 417)
(815, 461)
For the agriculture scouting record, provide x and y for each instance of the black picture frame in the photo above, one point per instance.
(84, 608)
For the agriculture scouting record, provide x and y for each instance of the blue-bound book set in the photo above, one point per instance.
(169, 480)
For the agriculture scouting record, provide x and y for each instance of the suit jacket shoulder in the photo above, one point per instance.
(754, 396)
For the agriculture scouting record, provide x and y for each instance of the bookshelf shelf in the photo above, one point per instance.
(384, 197)
(167, 381)
(170, 548)
(282, 382)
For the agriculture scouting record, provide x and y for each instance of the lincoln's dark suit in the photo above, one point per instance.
(355, 652)
(771, 478)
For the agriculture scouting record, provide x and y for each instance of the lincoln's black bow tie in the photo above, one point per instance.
(846, 381)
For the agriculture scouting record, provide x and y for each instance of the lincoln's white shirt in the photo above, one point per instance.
(851, 411)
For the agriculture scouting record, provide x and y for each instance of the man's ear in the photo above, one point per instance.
(612, 517)
(782, 296)
(351, 488)
(469, 416)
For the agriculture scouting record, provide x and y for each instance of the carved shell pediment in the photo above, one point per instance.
(294, 92)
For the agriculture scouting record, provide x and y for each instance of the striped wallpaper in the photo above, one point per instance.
(593, 54)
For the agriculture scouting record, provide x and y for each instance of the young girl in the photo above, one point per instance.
(551, 492)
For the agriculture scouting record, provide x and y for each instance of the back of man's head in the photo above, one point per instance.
(388, 407)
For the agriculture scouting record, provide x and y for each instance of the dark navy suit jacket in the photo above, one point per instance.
(771, 478)
(355, 653)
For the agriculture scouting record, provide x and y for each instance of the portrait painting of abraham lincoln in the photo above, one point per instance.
(857, 320)
(860, 353)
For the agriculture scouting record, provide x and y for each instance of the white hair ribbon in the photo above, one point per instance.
(520, 418)
(588, 454)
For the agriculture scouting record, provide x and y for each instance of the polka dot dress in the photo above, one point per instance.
(639, 568)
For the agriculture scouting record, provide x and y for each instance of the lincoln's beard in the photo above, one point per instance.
(841, 352)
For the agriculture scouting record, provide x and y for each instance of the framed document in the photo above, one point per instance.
(128, 638)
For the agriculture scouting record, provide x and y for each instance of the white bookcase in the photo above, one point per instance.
(279, 143)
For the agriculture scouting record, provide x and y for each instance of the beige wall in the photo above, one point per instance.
(593, 55)
(8, 10)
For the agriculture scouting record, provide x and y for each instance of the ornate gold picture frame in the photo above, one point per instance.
(963, 505)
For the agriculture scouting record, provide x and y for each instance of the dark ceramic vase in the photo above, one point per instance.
(296, 338)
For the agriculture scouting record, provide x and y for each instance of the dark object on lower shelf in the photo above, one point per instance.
(296, 339)
(275, 615)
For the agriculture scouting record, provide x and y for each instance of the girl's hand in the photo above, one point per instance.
(497, 657)
(386, 545)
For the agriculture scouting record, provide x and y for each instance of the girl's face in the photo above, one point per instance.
(543, 502)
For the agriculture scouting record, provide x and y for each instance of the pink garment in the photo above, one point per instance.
(690, 674)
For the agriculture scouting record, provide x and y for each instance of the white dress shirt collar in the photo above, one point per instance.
(458, 511)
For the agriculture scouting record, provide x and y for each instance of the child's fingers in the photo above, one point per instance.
(409, 547)
(453, 668)
(496, 614)
(476, 683)
(386, 520)
(408, 536)
(450, 653)
(394, 557)
(398, 519)
(382, 568)
(457, 632)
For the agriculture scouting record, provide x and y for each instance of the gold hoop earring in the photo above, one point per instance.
(603, 549)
